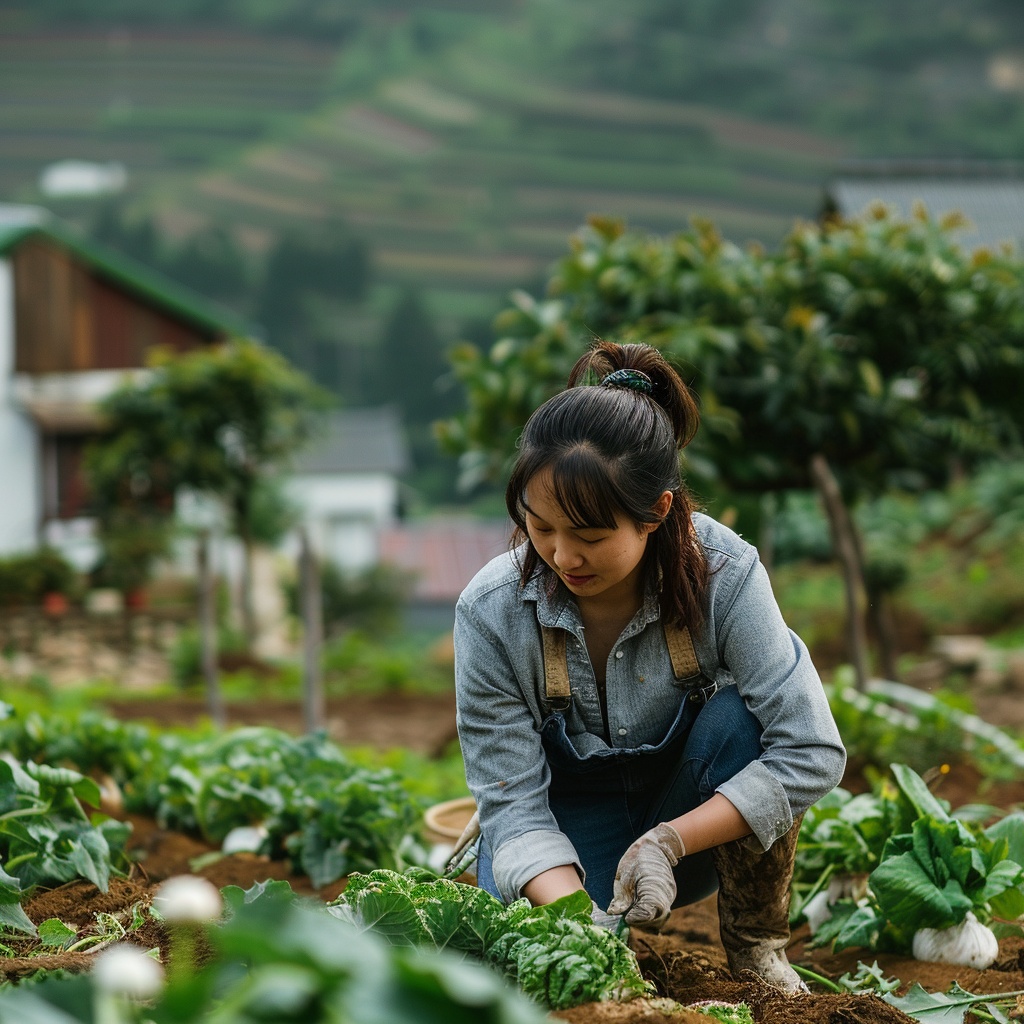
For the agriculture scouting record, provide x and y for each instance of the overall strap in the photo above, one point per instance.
(685, 666)
(556, 670)
(681, 651)
(557, 694)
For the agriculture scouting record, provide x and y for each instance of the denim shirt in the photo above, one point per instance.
(499, 682)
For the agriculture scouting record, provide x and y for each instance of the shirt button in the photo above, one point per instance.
(618, 654)
(622, 732)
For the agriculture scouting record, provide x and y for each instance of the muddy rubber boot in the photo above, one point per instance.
(753, 908)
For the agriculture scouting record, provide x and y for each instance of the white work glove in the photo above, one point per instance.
(645, 887)
(610, 922)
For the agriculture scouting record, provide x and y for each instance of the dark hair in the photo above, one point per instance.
(613, 450)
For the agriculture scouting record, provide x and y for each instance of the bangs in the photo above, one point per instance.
(583, 488)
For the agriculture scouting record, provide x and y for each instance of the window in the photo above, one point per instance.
(65, 492)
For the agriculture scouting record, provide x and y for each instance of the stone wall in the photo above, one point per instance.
(74, 646)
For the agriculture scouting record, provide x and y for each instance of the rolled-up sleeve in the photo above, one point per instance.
(506, 769)
(803, 755)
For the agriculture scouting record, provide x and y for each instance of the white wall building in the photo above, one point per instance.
(347, 484)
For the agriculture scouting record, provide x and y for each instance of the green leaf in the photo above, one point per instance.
(56, 933)
(15, 782)
(391, 915)
(917, 792)
(861, 928)
(26, 1007)
(13, 916)
(11, 889)
(324, 858)
(64, 778)
(1008, 905)
(1005, 876)
(907, 895)
(274, 890)
(938, 1007)
(442, 920)
(90, 858)
(1010, 828)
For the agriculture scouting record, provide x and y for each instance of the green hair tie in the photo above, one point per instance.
(634, 380)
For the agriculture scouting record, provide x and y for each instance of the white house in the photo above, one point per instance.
(75, 317)
(347, 484)
(82, 178)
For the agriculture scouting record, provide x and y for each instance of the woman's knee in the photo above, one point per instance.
(725, 738)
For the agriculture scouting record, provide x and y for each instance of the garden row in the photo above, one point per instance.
(890, 870)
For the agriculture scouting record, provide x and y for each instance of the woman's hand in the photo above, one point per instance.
(645, 888)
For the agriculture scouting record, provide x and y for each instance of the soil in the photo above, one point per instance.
(422, 723)
(685, 959)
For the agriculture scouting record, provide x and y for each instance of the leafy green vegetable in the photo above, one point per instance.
(280, 957)
(331, 816)
(46, 837)
(554, 953)
(928, 876)
(727, 1013)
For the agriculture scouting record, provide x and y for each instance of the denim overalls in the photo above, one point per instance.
(605, 800)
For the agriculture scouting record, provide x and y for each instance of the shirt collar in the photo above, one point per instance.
(556, 606)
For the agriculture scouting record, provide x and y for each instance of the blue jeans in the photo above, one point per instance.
(615, 803)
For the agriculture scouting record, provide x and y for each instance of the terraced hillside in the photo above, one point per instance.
(466, 174)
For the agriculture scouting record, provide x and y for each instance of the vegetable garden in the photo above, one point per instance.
(324, 901)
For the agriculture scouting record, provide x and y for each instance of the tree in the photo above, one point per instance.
(216, 420)
(311, 282)
(411, 373)
(861, 356)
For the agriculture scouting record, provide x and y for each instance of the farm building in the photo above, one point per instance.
(74, 319)
(348, 483)
(989, 195)
(441, 557)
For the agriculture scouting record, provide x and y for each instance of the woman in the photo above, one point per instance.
(635, 716)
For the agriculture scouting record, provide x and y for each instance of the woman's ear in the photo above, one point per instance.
(661, 509)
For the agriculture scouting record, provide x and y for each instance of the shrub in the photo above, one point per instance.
(370, 600)
(26, 577)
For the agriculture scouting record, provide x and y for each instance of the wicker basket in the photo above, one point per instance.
(444, 822)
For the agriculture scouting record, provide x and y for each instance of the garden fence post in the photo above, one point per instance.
(312, 633)
(208, 631)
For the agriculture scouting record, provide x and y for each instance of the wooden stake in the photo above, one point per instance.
(312, 620)
(208, 631)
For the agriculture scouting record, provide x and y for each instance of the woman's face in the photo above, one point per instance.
(591, 561)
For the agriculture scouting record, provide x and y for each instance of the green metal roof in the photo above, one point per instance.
(132, 276)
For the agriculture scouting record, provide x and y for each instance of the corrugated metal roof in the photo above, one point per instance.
(443, 556)
(128, 274)
(357, 441)
(993, 203)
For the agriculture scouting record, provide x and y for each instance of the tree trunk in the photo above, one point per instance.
(312, 644)
(766, 536)
(847, 547)
(208, 631)
(880, 611)
(249, 628)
